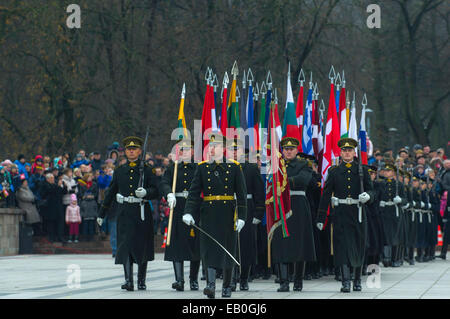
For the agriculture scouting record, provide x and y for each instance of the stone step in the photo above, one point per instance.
(41, 245)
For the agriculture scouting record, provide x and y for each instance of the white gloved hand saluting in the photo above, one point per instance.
(171, 200)
(239, 225)
(99, 221)
(319, 226)
(397, 199)
(141, 192)
(256, 221)
(188, 219)
(364, 197)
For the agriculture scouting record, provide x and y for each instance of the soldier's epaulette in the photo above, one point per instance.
(202, 162)
(332, 167)
(235, 162)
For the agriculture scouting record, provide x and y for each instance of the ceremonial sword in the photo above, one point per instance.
(214, 240)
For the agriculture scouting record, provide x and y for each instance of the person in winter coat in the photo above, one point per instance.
(27, 201)
(88, 205)
(38, 161)
(52, 210)
(73, 218)
(21, 164)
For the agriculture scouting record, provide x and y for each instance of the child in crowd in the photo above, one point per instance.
(73, 218)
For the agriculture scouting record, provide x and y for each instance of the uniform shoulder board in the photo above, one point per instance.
(202, 163)
(332, 167)
(235, 162)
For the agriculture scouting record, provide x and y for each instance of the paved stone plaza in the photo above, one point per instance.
(56, 277)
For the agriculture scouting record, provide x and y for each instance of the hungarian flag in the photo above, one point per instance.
(307, 145)
(363, 137)
(331, 149)
(299, 113)
(278, 203)
(290, 125)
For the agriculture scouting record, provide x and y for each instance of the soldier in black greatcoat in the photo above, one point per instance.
(255, 212)
(184, 241)
(343, 190)
(298, 247)
(135, 243)
(223, 211)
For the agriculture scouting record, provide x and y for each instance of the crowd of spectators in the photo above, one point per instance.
(46, 187)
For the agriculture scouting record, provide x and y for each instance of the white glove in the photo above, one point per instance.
(422, 204)
(119, 198)
(334, 201)
(188, 219)
(319, 226)
(429, 206)
(256, 221)
(171, 200)
(444, 220)
(364, 197)
(405, 206)
(414, 203)
(382, 204)
(397, 199)
(99, 221)
(141, 192)
(239, 225)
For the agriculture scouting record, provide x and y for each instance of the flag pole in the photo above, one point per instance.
(174, 181)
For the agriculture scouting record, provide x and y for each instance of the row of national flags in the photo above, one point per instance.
(255, 108)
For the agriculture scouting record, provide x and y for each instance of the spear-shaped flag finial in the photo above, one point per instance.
(301, 77)
(183, 91)
(269, 80)
(332, 74)
(234, 70)
(250, 77)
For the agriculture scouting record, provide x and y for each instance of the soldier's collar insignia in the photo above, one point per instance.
(389, 180)
(132, 164)
(348, 165)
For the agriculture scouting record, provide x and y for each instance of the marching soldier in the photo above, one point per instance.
(391, 215)
(422, 226)
(134, 227)
(221, 215)
(410, 218)
(298, 248)
(343, 189)
(255, 212)
(184, 241)
(374, 227)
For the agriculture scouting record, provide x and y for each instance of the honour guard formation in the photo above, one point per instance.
(254, 199)
(292, 203)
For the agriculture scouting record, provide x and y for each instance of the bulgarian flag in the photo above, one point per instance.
(278, 203)
(331, 149)
(290, 125)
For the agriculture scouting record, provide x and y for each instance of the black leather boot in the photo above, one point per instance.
(345, 273)
(444, 248)
(419, 257)
(395, 256)
(210, 289)
(226, 285)
(411, 256)
(234, 278)
(284, 277)
(128, 271)
(337, 274)
(193, 275)
(357, 280)
(387, 256)
(299, 274)
(142, 275)
(179, 276)
(243, 281)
